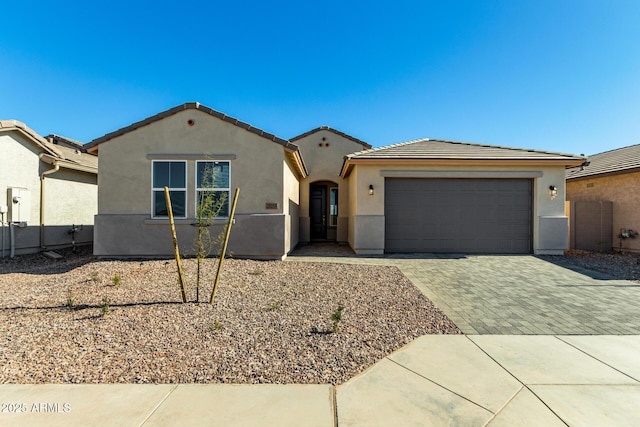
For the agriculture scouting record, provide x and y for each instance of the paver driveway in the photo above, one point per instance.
(515, 294)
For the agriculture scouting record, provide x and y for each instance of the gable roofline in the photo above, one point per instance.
(30, 134)
(62, 156)
(520, 155)
(92, 146)
(612, 162)
(335, 131)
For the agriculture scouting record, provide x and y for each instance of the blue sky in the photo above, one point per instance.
(559, 75)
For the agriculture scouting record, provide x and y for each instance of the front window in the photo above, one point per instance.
(172, 174)
(213, 186)
(333, 207)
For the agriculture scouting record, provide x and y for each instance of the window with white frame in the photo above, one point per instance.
(172, 174)
(213, 187)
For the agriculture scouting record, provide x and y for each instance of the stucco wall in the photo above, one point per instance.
(125, 177)
(324, 153)
(125, 185)
(367, 218)
(70, 198)
(19, 166)
(622, 191)
(291, 206)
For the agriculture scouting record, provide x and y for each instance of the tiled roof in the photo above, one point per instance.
(70, 158)
(73, 151)
(57, 139)
(621, 160)
(437, 149)
(91, 146)
(335, 131)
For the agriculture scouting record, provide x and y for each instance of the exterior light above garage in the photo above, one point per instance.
(371, 189)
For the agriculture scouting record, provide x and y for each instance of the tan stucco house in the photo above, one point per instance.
(324, 185)
(605, 196)
(47, 187)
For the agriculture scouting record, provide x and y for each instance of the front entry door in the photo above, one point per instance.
(318, 212)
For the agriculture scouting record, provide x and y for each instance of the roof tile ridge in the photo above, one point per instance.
(615, 149)
(504, 147)
(399, 144)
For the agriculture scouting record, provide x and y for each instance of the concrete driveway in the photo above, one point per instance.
(515, 295)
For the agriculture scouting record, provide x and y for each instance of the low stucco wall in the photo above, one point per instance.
(622, 191)
(252, 236)
(27, 239)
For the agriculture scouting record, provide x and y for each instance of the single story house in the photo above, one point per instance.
(605, 201)
(324, 185)
(47, 187)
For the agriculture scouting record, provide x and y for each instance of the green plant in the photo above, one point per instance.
(215, 326)
(273, 306)
(95, 277)
(336, 317)
(116, 279)
(104, 308)
(256, 272)
(69, 298)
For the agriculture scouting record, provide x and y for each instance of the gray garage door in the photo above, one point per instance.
(458, 215)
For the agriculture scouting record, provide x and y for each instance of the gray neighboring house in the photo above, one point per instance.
(324, 185)
(605, 201)
(47, 186)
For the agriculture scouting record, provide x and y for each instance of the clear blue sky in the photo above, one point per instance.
(560, 75)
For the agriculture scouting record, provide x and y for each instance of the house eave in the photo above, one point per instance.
(67, 164)
(604, 174)
(349, 163)
(92, 146)
(296, 158)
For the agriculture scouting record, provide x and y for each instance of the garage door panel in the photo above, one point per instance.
(458, 215)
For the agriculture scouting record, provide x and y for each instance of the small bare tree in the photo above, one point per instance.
(210, 203)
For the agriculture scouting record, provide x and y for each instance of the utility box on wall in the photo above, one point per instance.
(19, 201)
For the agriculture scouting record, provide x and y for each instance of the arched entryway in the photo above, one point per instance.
(323, 210)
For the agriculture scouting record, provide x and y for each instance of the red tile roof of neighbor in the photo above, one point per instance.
(621, 160)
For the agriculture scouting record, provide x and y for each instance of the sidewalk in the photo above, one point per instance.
(472, 380)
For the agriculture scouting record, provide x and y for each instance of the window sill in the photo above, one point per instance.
(182, 221)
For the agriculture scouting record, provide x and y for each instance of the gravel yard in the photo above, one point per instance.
(619, 266)
(66, 321)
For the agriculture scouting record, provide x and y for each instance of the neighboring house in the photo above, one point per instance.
(605, 201)
(47, 185)
(324, 185)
